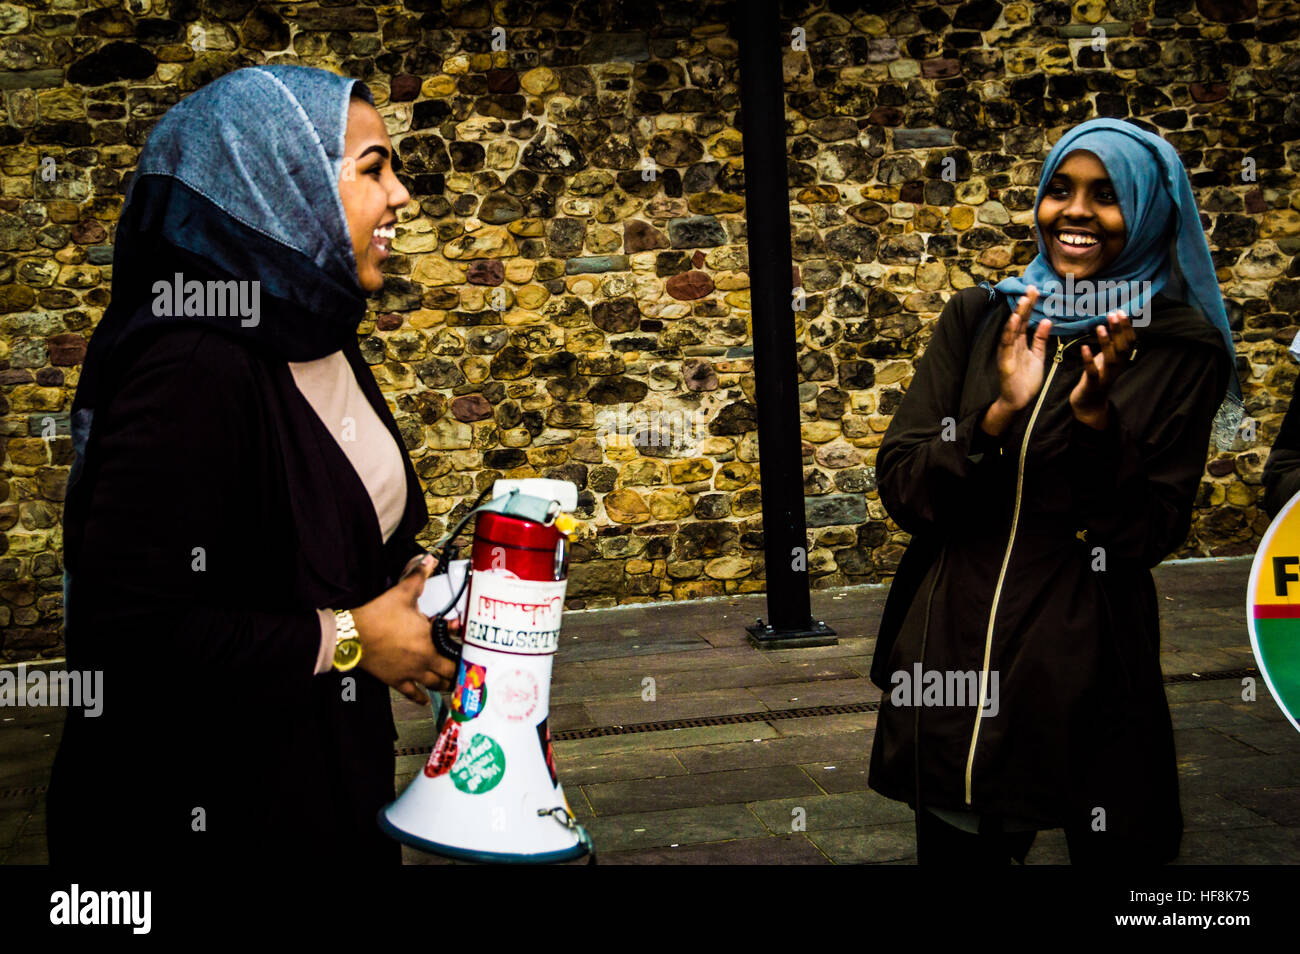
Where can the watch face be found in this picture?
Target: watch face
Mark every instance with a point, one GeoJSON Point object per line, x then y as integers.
{"type": "Point", "coordinates": [347, 653]}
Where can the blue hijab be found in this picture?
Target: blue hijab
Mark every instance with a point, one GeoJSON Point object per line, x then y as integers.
{"type": "Point", "coordinates": [238, 181]}
{"type": "Point", "coordinates": [1152, 186]}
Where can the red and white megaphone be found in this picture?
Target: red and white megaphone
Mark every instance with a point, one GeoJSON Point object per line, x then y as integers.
{"type": "Point", "coordinates": [488, 791]}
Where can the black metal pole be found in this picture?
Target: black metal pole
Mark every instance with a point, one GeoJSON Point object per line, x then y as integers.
{"type": "Point", "coordinates": [767, 216]}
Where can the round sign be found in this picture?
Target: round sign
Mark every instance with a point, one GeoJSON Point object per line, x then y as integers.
{"type": "Point", "coordinates": [1273, 609]}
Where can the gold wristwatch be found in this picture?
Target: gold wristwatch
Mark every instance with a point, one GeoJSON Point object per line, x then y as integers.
{"type": "Point", "coordinates": [347, 650]}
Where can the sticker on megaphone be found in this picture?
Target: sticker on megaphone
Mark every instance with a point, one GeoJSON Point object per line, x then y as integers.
{"type": "Point", "coordinates": [439, 590]}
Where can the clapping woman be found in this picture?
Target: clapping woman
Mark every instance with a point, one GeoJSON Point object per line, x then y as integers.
{"type": "Point", "coordinates": [1045, 456]}
{"type": "Point", "coordinates": [242, 514]}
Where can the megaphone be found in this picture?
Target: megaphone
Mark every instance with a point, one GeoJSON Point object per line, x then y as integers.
{"type": "Point", "coordinates": [489, 792]}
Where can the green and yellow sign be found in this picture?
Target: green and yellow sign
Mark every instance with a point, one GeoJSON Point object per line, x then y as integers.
{"type": "Point", "coordinates": [1273, 609]}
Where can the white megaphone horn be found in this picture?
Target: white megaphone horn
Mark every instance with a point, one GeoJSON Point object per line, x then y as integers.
{"type": "Point", "coordinates": [489, 791]}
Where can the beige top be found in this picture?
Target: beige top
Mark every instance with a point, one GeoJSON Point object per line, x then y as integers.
{"type": "Point", "coordinates": [334, 394]}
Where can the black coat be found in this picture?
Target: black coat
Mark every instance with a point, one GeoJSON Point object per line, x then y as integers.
{"type": "Point", "coordinates": [1282, 469]}
{"type": "Point", "coordinates": [210, 702]}
{"type": "Point", "coordinates": [1082, 721]}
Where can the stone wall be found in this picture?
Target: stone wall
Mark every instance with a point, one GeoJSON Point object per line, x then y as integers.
{"type": "Point", "coordinates": [568, 294]}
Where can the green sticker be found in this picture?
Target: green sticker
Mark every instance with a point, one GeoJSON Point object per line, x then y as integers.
{"type": "Point", "coordinates": [480, 767]}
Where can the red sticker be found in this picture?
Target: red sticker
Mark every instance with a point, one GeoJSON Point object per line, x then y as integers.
{"type": "Point", "coordinates": [444, 750]}
{"type": "Point", "coordinates": [544, 737]}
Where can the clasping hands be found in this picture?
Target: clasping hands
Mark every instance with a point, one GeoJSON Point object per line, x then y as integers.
{"type": "Point", "coordinates": [1090, 399]}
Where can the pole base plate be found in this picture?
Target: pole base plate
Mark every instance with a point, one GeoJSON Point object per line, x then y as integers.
{"type": "Point", "coordinates": [816, 633]}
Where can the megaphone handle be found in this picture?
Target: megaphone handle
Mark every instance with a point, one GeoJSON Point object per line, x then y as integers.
{"type": "Point", "coordinates": [443, 642]}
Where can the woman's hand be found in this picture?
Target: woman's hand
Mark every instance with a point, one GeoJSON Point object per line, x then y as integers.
{"type": "Point", "coordinates": [397, 641]}
{"type": "Point", "coordinates": [1090, 399]}
{"type": "Point", "coordinates": [1020, 365]}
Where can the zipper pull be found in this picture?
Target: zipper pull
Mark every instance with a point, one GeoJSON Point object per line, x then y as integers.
{"type": "Point", "coordinates": [1060, 349]}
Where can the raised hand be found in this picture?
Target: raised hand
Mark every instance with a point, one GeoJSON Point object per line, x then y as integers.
{"type": "Point", "coordinates": [1020, 364]}
{"type": "Point", "coordinates": [1090, 399]}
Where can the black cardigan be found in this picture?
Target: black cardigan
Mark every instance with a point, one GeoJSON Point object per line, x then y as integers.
{"type": "Point", "coordinates": [218, 513]}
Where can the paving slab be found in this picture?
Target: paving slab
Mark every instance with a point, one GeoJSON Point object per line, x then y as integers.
{"type": "Point", "coordinates": [1277, 739]}
{"type": "Point", "coordinates": [1279, 805]}
{"type": "Point", "coordinates": [11, 825]}
{"type": "Point", "coordinates": [670, 662]}
{"type": "Point", "coordinates": [823, 812]}
{"type": "Point", "coordinates": [1224, 690]}
{"type": "Point", "coordinates": [1049, 848]}
{"type": "Point", "coordinates": [670, 706]}
{"type": "Point", "coordinates": [690, 737]}
{"type": "Point", "coordinates": [827, 725]}
{"type": "Point", "coordinates": [1228, 775]}
{"type": "Point", "coordinates": [1204, 742]}
{"type": "Point", "coordinates": [635, 685]}
{"type": "Point", "coordinates": [570, 716]}
{"type": "Point", "coordinates": [842, 775]}
{"type": "Point", "coordinates": [1209, 712]}
{"type": "Point", "coordinates": [618, 766]}
{"type": "Point", "coordinates": [704, 823]}
{"type": "Point", "coordinates": [780, 850]}
{"type": "Point", "coordinates": [710, 788]}
{"type": "Point", "coordinates": [27, 849]}
{"type": "Point", "coordinates": [23, 769]}
{"type": "Point", "coordinates": [865, 846]}
{"type": "Point", "coordinates": [1214, 812]}
{"type": "Point", "coordinates": [775, 751]}
{"type": "Point", "coordinates": [835, 692]}
{"type": "Point", "coordinates": [1241, 846]}
{"type": "Point", "coordinates": [649, 644]}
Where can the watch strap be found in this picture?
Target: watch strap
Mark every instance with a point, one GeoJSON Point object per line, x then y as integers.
{"type": "Point", "coordinates": [347, 646]}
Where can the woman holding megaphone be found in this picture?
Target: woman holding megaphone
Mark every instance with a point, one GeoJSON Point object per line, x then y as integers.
{"type": "Point", "coordinates": [240, 528]}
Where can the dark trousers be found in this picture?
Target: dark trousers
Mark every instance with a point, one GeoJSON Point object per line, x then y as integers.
{"type": "Point", "coordinates": [938, 843]}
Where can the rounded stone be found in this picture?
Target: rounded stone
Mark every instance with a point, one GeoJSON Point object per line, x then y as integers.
{"type": "Point", "coordinates": [689, 286]}
{"type": "Point", "coordinates": [729, 567]}
{"type": "Point", "coordinates": [626, 506]}
{"type": "Point", "coordinates": [671, 504]}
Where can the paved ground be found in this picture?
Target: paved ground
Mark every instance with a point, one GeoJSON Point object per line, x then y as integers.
{"type": "Point", "coordinates": [729, 793]}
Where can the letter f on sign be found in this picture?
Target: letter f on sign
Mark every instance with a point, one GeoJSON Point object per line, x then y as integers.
{"type": "Point", "coordinates": [1281, 576]}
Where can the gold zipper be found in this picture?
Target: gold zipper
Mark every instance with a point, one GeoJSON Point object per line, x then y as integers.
{"type": "Point", "coordinates": [1006, 559]}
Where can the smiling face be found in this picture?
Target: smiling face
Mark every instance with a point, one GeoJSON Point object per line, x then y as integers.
{"type": "Point", "coordinates": [370, 191]}
{"type": "Point", "coordinates": [1080, 219]}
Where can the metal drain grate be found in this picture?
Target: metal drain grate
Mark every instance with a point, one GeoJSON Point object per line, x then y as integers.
{"type": "Point", "coordinates": [1212, 676]}
{"type": "Point", "coordinates": [739, 718]}
{"type": "Point", "coordinates": [22, 792]}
